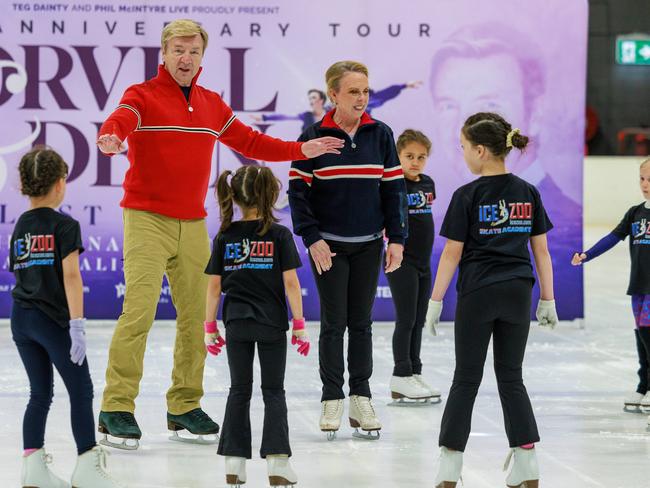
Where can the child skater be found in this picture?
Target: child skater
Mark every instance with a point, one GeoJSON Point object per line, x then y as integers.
{"type": "Point", "coordinates": [47, 323]}
{"type": "Point", "coordinates": [488, 226]}
{"type": "Point", "coordinates": [410, 284]}
{"type": "Point", "coordinates": [254, 263]}
{"type": "Point", "coordinates": [636, 225]}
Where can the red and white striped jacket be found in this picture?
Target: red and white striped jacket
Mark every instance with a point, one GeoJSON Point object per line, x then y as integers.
{"type": "Point", "coordinates": [359, 192]}
{"type": "Point", "coordinates": [171, 141]}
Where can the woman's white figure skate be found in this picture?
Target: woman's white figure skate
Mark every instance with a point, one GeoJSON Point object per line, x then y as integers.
{"type": "Point", "coordinates": [362, 416]}
{"type": "Point", "coordinates": [330, 417]}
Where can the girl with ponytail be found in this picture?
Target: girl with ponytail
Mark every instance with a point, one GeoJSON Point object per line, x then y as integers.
{"type": "Point", "coordinates": [253, 263]}
{"type": "Point", "coordinates": [489, 225]}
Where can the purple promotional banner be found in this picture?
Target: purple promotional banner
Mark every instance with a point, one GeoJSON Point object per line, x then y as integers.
{"type": "Point", "coordinates": [64, 66]}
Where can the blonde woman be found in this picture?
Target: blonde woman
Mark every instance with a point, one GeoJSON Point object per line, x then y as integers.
{"type": "Point", "coordinates": [341, 204]}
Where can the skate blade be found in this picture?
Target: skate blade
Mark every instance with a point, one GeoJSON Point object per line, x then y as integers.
{"type": "Point", "coordinates": [369, 435]}
{"type": "Point", "coordinates": [200, 440]}
{"type": "Point", "coordinates": [414, 402]}
{"type": "Point", "coordinates": [331, 434]}
{"type": "Point", "coordinates": [124, 445]}
{"type": "Point", "coordinates": [633, 409]}
{"type": "Point", "coordinates": [280, 481]}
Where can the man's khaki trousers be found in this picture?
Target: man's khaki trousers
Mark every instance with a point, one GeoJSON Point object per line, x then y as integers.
{"type": "Point", "coordinates": [155, 245]}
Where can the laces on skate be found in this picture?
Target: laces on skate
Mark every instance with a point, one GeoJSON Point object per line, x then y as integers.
{"type": "Point", "coordinates": [196, 417]}
{"type": "Point", "coordinates": [129, 442]}
{"type": "Point", "coordinates": [367, 420]}
{"type": "Point", "coordinates": [331, 411]}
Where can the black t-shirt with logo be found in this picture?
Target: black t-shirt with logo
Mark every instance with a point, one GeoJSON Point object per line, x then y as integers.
{"type": "Point", "coordinates": [420, 196]}
{"type": "Point", "coordinates": [636, 226]}
{"type": "Point", "coordinates": [251, 268]}
{"type": "Point", "coordinates": [41, 240]}
{"type": "Point", "coordinates": [494, 216]}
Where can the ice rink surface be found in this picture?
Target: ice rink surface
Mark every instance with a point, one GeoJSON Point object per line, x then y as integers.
{"type": "Point", "coordinates": [576, 377]}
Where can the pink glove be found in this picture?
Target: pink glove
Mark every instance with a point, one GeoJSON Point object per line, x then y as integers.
{"type": "Point", "coordinates": [213, 340]}
{"type": "Point", "coordinates": [299, 336]}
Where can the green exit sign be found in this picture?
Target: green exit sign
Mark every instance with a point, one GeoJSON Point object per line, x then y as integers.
{"type": "Point", "coordinates": [633, 50]}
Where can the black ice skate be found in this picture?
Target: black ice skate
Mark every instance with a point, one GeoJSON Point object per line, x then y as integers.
{"type": "Point", "coordinates": [121, 425]}
{"type": "Point", "coordinates": [196, 422]}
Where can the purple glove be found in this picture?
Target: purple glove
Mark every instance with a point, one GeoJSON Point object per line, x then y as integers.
{"type": "Point", "coordinates": [213, 340]}
{"type": "Point", "coordinates": [299, 336]}
{"type": "Point", "coordinates": [78, 336]}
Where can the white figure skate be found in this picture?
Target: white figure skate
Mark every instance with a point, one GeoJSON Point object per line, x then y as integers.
{"type": "Point", "coordinates": [406, 391]}
{"type": "Point", "coordinates": [90, 471]}
{"type": "Point", "coordinates": [645, 403]}
{"type": "Point", "coordinates": [450, 468]}
{"type": "Point", "coordinates": [36, 473]}
{"type": "Point", "coordinates": [362, 416]}
{"type": "Point", "coordinates": [525, 472]}
{"type": "Point", "coordinates": [632, 403]}
{"type": "Point", "coordinates": [330, 417]}
{"type": "Point", "coordinates": [435, 394]}
{"type": "Point", "coordinates": [279, 470]}
{"type": "Point", "coordinates": [235, 471]}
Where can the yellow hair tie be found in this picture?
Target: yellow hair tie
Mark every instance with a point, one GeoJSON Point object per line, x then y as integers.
{"type": "Point", "coordinates": [510, 136]}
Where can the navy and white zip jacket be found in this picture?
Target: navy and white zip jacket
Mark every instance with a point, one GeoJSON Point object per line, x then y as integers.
{"type": "Point", "coordinates": [359, 192]}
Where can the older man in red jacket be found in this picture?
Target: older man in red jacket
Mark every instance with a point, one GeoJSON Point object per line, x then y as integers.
{"type": "Point", "coordinates": [172, 124]}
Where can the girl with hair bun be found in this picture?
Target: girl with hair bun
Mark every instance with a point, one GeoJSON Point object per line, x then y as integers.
{"type": "Point", "coordinates": [489, 225]}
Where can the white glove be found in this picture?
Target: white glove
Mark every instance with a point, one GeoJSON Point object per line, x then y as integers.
{"type": "Point", "coordinates": [433, 316]}
{"type": "Point", "coordinates": [546, 314]}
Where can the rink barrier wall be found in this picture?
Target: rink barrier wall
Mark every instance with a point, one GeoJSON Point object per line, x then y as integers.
{"type": "Point", "coordinates": [611, 187]}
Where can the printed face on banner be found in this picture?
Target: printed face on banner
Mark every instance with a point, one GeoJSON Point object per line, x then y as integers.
{"type": "Point", "coordinates": [485, 68]}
